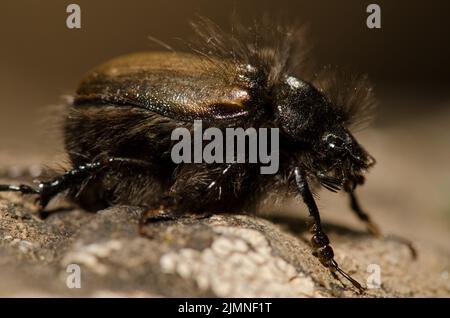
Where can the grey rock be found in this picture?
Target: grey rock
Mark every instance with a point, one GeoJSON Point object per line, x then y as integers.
{"type": "Point", "coordinates": [217, 255]}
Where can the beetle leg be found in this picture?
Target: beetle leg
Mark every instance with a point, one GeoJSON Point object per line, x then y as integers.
{"type": "Point", "coordinates": [166, 211]}
{"type": "Point", "coordinates": [373, 228]}
{"type": "Point", "coordinates": [22, 188]}
{"type": "Point", "coordinates": [167, 208]}
{"type": "Point", "coordinates": [49, 189]}
{"type": "Point", "coordinates": [363, 216]}
{"type": "Point", "coordinates": [319, 241]}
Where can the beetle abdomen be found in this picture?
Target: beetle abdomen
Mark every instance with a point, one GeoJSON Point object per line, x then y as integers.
{"type": "Point", "coordinates": [93, 133]}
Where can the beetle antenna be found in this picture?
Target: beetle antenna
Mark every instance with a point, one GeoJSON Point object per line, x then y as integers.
{"type": "Point", "coordinates": [336, 267]}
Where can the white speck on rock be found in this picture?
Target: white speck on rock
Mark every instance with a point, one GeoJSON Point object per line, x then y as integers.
{"type": "Point", "coordinates": [91, 255]}
{"type": "Point", "coordinates": [168, 262]}
{"type": "Point", "coordinates": [240, 246]}
{"type": "Point", "coordinates": [239, 263]}
{"type": "Point", "coordinates": [25, 246]}
{"type": "Point", "coordinates": [184, 269]}
{"type": "Point", "coordinates": [222, 246]}
{"type": "Point", "coordinates": [305, 283]}
{"type": "Point", "coordinates": [202, 282]}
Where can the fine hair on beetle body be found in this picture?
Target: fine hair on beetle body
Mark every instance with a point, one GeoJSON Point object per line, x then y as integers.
{"type": "Point", "coordinates": [118, 126]}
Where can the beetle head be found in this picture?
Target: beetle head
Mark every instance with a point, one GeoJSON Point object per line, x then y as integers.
{"type": "Point", "coordinates": [309, 119]}
{"type": "Point", "coordinates": [340, 159]}
{"type": "Point", "coordinates": [338, 144]}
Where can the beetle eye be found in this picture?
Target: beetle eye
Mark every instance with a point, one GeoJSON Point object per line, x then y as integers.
{"type": "Point", "coordinates": [334, 142]}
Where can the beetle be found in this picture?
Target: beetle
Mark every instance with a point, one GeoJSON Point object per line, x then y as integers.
{"type": "Point", "coordinates": [118, 126]}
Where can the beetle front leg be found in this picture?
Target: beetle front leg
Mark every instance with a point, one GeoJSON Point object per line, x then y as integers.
{"type": "Point", "coordinates": [319, 241]}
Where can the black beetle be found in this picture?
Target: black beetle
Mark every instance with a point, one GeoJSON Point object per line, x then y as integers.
{"type": "Point", "coordinates": [118, 127]}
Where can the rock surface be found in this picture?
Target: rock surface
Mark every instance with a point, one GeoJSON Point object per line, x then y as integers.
{"type": "Point", "coordinates": [219, 255]}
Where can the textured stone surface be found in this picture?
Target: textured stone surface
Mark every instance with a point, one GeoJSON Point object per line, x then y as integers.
{"type": "Point", "coordinates": [220, 255]}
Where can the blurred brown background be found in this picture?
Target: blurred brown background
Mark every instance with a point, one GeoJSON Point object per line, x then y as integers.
{"type": "Point", "coordinates": [40, 59]}
{"type": "Point", "coordinates": [408, 61]}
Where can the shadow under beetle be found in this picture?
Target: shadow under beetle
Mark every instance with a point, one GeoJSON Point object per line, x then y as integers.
{"type": "Point", "coordinates": [118, 127]}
